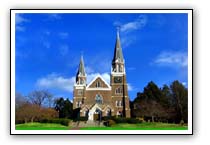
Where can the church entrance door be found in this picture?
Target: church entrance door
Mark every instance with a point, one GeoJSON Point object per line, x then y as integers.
{"type": "Point", "coordinates": [97, 115]}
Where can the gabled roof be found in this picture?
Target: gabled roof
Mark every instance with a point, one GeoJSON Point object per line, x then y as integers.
{"type": "Point", "coordinates": [101, 88]}
{"type": "Point", "coordinates": [94, 106]}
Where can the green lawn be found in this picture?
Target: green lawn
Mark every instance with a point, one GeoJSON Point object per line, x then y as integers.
{"type": "Point", "coordinates": [120, 126]}
{"type": "Point", "coordinates": [40, 126]}
{"type": "Point", "coordinates": [141, 126]}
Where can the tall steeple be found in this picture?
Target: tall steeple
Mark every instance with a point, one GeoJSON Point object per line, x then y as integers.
{"type": "Point", "coordinates": [118, 81]}
{"type": "Point", "coordinates": [118, 55]}
{"type": "Point", "coordinates": [118, 59]}
{"type": "Point", "coordinates": [81, 75]}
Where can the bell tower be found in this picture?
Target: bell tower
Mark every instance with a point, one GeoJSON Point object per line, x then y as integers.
{"type": "Point", "coordinates": [80, 85]}
{"type": "Point", "coordinates": [118, 82]}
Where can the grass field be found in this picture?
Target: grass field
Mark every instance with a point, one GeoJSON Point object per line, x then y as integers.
{"type": "Point", "coordinates": [120, 126]}
{"type": "Point", "coordinates": [141, 126]}
{"type": "Point", "coordinates": [40, 126]}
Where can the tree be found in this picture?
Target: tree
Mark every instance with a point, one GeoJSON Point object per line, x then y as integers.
{"type": "Point", "coordinates": [149, 103]}
{"type": "Point", "coordinates": [32, 112]}
{"type": "Point", "coordinates": [64, 107]}
{"type": "Point", "coordinates": [180, 97]}
{"type": "Point", "coordinates": [27, 113]}
{"type": "Point", "coordinates": [40, 98]}
{"type": "Point", "coordinates": [48, 113]}
{"type": "Point", "coordinates": [34, 107]}
{"type": "Point", "coordinates": [168, 103]}
{"type": "Point", "coordinates": [19, 100]}
{"type": "Point", "coordinates": [152, 92]}
{"type": "Point", "coordinates": [166, 97]}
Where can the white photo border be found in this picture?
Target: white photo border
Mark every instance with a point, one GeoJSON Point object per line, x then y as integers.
{"type": "Point", "coordinates": [101, 132]}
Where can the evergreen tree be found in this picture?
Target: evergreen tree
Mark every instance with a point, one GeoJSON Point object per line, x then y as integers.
{"type": "Point", "coordinates": [64, 107]}
{"type": "Point", "coordinates": [180, 97]}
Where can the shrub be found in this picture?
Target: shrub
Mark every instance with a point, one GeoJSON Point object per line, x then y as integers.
{"type": "Point", "coordinates": [83, 118]}
{"type": "Point", "coordinates": [106, 118]}
{"type": "Point", "coordinates": [19, 121]}
{"type": "Point", "coordinates": [64, 121]}
{"type": "Point", "coordinates": [182, 122]}
{"type": "Point", "coordinates": [120, 120]}
{"type": "Point", "coordinates": [127, 120]}
{"type": "Point", "coordinates": [110, 123]}
{"type": "Point", "coordinates": [132, 120]}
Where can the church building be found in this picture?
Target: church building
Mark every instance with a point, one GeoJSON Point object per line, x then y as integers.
{"type": "Point", "coordinates": [100, 98]}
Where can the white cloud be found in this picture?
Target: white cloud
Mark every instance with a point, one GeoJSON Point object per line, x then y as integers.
{"type": "Point", "coordinates": [130, 87]}
{"type": "Point", "coordinates": [184, 83]}
{"type": "Point", "coordinates": [125, 28]}
{"type": "Point", "coordinates": [89, 69]}
{"type": "Point", "coordinates": [54, 81]}
{"type": "Point", "coordinates": [172, 59]}
{"type": "Point", "coordinates": [127, 41]}
{"type": "Point", "coordinates": [19, 21]}
{"type": "Point", "coordinates": [105, 76]}
{"type": "Point", "coordinates": [138, 23]}
{"type": "Point", "coordinates": [53, 16]}
{"type": "Point", "coordinates": [97, 64]}
{"type": "Point", "coordinates": [20, 28]}
{"type": "Point", "coordinates": [63, 35]}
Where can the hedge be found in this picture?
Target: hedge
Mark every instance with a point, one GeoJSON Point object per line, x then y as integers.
{"type": "Point", "coordinates": [61, 121]}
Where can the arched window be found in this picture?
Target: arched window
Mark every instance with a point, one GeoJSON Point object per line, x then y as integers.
{"type": "Point", "coordinates": [119, 103]}
{"type": "Point", "coordinates": [120, 68]}
{"type": "Point", "coordinates": [86, 112]}
{"type": "Point", "coordinates": [98, 84]}
{"type": "Point", "coordinates": [108, 112]}
{"type": "Point", "coordinates": [80, 92]}
{"type": "Point", "coordinates": [99, 99]}
{"type": "Point", "coordinates": [81, 81]}
{"type": "Point", "coordinates": [116, 103]}
{"type": "Point", "coordinates": [118, 90]}
{"type": "Point", "coordinates": [78, 104]}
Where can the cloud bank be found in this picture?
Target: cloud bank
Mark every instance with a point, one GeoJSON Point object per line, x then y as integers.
{"type": "Point", "coordinates": [54, 81]}
{"type": "Point", "coordinates": [172, 59]}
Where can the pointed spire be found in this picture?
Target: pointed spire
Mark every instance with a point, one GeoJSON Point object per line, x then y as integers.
{"type": "Point", "coordinates": [118, 38]}
{"type": "Point", "coordinates": [118, 50]}
{"type": "Point", "coordinates": [81, 70]}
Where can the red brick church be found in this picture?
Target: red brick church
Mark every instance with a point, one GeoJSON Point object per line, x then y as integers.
{"type": "Point", "coordinates": [100, 98]}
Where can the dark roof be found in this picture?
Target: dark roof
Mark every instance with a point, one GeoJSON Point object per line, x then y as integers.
{"type": "Point", "coordinates": [118, 50]}
{"type": "Point", "coordinates": [81, 70]}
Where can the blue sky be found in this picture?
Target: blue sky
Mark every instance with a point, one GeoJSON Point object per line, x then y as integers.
{"type": "Point", "coordinates": [49, 46]}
